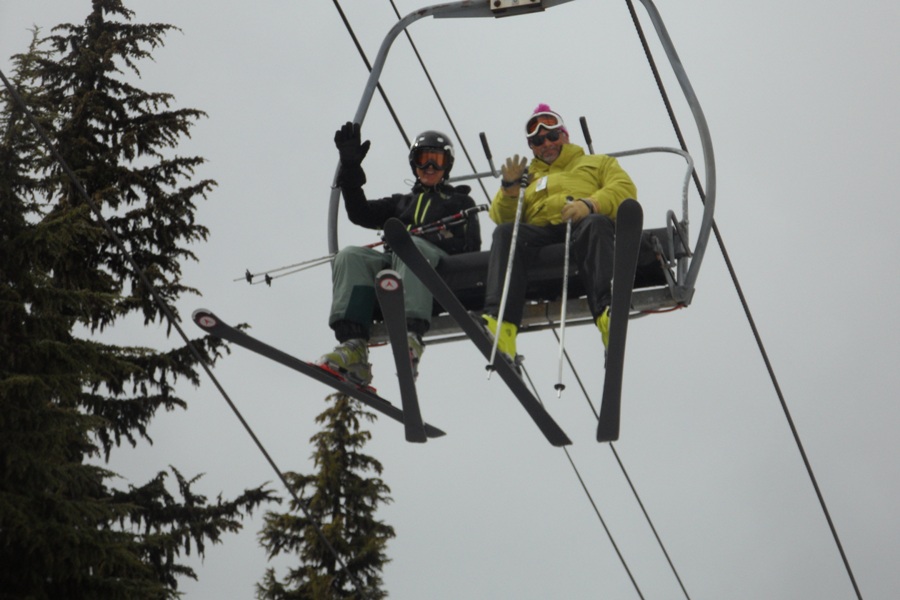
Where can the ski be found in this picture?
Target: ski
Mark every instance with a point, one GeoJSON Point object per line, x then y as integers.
{"type": "Point", "coordinates": [398, 239]}
{"type": "Point", "coordinates": [213, 325]}
{"type": "Point", "coordinates": [389, 290]}
{"type": "Point", "coordinates": [629, 225]}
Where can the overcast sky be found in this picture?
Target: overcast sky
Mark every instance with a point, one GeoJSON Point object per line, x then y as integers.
{"type": "Point", "coordinates": [801, 99]}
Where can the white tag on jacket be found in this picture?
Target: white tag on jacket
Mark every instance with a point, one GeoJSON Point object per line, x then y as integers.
{"type": "Point", "coordinates": [541, 184]}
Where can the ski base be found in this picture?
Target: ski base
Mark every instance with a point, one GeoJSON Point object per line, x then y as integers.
{"type": "Point", "coordinates": [389, 291]}
{"type": "Point", "coordinates": [213, 325]}
{"type": "Point", "coordinates": [629, 226]}
{"type": "Point", "coordinates": [397, 237]}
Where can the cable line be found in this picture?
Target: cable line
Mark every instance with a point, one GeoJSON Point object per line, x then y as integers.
{"type": "Point", "coordinates": [568, 455]}
{"type": "Point", "coordinates": [787, 414]}
{"type": "Point", "coordinates": [381, 91]}
{"type": "Point", "coordinates": [590, 498]}
{"type": "Point", "coordinates": [623, 469]}
{"type": "Point", "coordinates": [747, 312]}
{"type": "Point", "coordinates": [171, 318]}
{"type": "Point", "coordinates": [365, 59]}
{"type": "Point", "coordinates": [440, 100]}
{"type": "Point", "coordinates": [720, 243]}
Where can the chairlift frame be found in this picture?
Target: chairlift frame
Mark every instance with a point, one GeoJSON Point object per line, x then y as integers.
{"type": "Point", "coordinates": [678, 265]}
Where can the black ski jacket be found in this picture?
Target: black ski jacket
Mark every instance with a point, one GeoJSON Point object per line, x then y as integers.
{"type": "Point", "coordinates": [420, 207]}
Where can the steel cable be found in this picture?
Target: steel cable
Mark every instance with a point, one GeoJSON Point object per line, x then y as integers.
{"type": "Point", "coordinates": [590, 498]}
{"type": "Point", "coordinates": [744, 304]}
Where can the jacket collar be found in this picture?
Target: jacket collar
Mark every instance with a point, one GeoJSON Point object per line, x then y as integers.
{"type": "Point", "coordinates": [568, 153]}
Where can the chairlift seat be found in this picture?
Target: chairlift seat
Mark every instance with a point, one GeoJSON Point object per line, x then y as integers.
{"type": "Point", "coordinates": [466, 274]}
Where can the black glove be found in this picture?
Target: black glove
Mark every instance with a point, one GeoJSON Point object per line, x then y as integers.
{"type": "Point", "coordinates": [349, 147]}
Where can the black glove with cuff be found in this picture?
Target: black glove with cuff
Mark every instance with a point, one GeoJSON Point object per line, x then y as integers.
{"type": "Point", "coordinates": [347, 140]}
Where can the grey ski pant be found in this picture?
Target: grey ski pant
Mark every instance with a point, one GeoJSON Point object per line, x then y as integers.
{"type": "Point", "coordinates": [353, 283]}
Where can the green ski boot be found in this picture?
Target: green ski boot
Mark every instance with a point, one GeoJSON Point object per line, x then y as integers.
{"type": "Point", "coordinates": [350, 359]}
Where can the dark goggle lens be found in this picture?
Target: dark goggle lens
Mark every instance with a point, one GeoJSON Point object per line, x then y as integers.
{"type": "Point", "coordinates": [538, 140]}
{"type": "Point", "coordinates": [425, 157]}
{"type": "Point", "coordinates": [546, 120]}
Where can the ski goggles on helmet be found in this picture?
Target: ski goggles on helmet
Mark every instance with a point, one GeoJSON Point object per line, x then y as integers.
{"type": "Point", "coordinates": [538, 140]}
{"type": "Point", "coordinates": [548, 120]}
{"type": "Point", "coordinates": [425, 157]}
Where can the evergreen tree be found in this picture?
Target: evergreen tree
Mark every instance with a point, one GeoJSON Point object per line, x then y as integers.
{"type": "Point", "coordinates": [67, 399]}
{"type": "Point", "coordinates": [340, 501]}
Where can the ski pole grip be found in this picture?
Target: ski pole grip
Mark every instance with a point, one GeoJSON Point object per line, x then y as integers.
{"type": "Point", "coordinates": [484, 144]}
{"type": "Point", "coordinates": [487, 153]}
{"type": "Point", "coordinates": [587, 133]}
{"type": "Point", "coordinates": [585, 130]}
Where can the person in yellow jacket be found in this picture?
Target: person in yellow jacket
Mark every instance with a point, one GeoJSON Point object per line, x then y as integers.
{"type": "Point", "coordinates": [559, 171]}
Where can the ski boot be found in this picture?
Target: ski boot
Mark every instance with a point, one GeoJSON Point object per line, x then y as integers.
{"type": "Point", "coordinates": [350, 359]}
{"type": "Point", "coordinates": [416, 350]}
{"type": "Point", "coordinates": [507, 343]}
{"type": "Point", "coordinates": [603, 326]}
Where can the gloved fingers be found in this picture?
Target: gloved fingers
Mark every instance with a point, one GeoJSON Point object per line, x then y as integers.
{"type": "Point", "coordinates": [516, 165]}
{"type": "Point", "coordinates": [347, 133]}
{"type": "Point", "coordinates": [343, 133]}
{"type": "Point", "coordinates": [574, 211]}
{"type": "Point", "coordinates": [513, 168]}
{"type": "Point", "coordinates": [347, 140]}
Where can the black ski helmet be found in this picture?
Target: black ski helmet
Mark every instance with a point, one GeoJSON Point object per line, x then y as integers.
{"type": "Point", "coordinates": [437, 141]}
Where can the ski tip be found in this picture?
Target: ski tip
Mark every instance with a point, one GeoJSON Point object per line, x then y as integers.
{"type": "Point", "coordinates": [631, 204]}
{"type": "Point", "coordinates": [385, 273]}
{"type": "Point", "coordinates": [630, 213]}
{"type": "Point", "coordinates": [388, 280]}
{"type": "Point", "coordinates": [393, 227]}
{"type": "Point", "coordinates": [205, 318]}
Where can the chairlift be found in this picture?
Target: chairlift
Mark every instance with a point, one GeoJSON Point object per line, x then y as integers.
{"type": "Point", "coordinates": [668, 266]}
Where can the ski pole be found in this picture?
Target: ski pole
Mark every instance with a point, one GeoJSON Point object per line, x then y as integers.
{"type": "Point", "coordinates": [523, 183]}
{"type": "Point", "coordinates": [448, 221]}
{"type": "Point", "coordinates": [432, 227]}
{"type": "Point", "coordinates": [311, 262]}
{"type": "Point", "coordinates": [267, 278]}
{"type": "Point", "coordinates": [300, 266]}
{"type": "Point", "coordinates": [560, 386]}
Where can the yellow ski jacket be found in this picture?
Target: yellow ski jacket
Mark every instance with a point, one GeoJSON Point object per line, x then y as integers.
{"type": "Point", "coordinates": [573, 173]}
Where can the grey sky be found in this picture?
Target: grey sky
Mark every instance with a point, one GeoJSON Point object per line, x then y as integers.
{"type": "Point", "coordinates": [801, 101]}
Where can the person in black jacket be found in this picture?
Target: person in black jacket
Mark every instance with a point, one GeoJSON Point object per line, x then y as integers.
{"type": "Point", "coordinates": [354, 268]}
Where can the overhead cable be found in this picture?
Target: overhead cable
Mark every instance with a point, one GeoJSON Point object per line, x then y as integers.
{"type": "Point", "coordinates": [748, 314]}
{"type": "Point", "coordinates": [440, 100]}
{"type": "Point", "coordinates": [624, 470]}
{"type": "Point", "coordinates": [591, 500]}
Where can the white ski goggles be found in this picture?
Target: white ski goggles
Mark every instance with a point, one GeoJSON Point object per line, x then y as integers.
{"type": "Point", "coordinates": [548, 120]}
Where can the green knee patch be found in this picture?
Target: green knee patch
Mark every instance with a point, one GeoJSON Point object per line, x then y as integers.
{"type": "Point", "coordinates": [361, 305]}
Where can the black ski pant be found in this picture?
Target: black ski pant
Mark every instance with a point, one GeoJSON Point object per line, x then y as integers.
{"type": "Point", "coordinates": [591, 249]}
